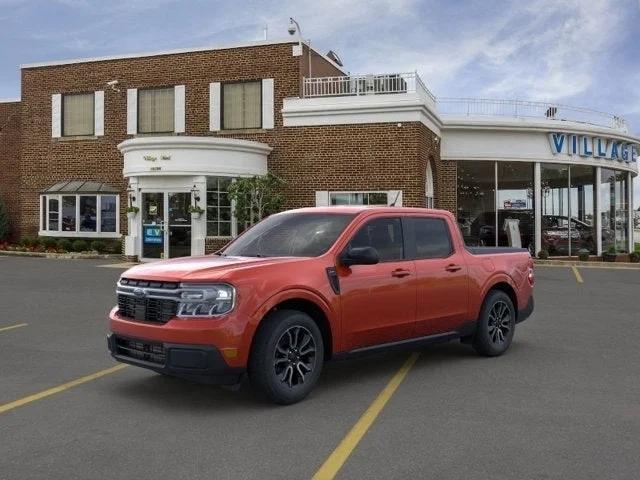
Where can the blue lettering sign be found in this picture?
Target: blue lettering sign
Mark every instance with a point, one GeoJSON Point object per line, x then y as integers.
{"type": "Point", "coordinates": [586, 147]}
{"type": "Point", "coordinates": [557, 142]}
{"type": "Point", "coordinates": [624, 152]}
{"type": "Point", "coordinates": [152, 234]}
{"type": "Point", "coordinates": [614, 150]}
{"type": "Point", "coordinates": [601, 150]}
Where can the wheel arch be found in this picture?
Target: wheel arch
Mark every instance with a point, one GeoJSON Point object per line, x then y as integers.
{"type": "Point", "coordinates": [507, 288]}
{"type": "Point", "coordinates": [306, 302]}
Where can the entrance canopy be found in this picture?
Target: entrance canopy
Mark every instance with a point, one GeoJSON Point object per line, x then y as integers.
{"type": "Point", "coordinates": [81, 186]}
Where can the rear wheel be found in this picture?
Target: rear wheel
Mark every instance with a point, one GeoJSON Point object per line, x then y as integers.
{"type": "Point", "coordinates": [496, 325]}
{"type": "Point", "coordinates": [287, 357]}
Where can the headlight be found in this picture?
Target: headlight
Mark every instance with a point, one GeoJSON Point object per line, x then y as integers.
{"type": "Point", "coordinates": [198, 300]}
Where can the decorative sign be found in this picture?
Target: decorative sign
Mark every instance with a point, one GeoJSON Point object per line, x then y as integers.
{"type": "Point", "coordinates": [515, 204]}
{"type": "Point", "coordinates": [597, 147]}
{"type": "Point", "coordinates": [152, 235]}
{"type": "Point", "coordinates": [153, 158]}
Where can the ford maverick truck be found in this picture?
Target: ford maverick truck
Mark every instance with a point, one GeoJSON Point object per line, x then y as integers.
{"type": "Point", "coordinates": [310, 285]}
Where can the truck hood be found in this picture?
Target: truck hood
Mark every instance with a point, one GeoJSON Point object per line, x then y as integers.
{"type": "Point", "coordinates": [201, 268]}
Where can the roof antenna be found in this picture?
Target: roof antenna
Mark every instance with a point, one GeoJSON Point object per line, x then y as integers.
{"type": "Point", "coordinates": [395, 200]}
{"type": "Point", "coordinates": [266, 32]}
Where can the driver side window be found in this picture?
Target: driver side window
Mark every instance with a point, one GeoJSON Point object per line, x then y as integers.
{"type": "Point", "coordinates": [383, 234]}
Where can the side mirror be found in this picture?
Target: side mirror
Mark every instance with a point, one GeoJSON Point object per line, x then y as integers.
{"type": "Point", "coordinates": [360, 256]}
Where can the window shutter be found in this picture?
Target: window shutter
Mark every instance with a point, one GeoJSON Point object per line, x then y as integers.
{"type": "Point", "coordinates": [214, 107]}
{"type": "Point", "coordinates": [98, 113]}
{"type": "Point", "coordinates": [132, 111]}
{"type": "Point", "coordinates": [322, 199]}
{"type": "Point", "coordinates": [179, 110]}
{"type": "Point", "coordinates": [394, 196]}
{"type": "Point", "coordinates": [56, 115]}
{"type": "Point", "coordinates": [267, 103]}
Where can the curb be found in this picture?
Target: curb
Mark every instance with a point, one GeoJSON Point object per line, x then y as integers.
{"type": "Point", "coordinates": [577, 263]}
{"type": "Point", "coordinates": [62, 256]}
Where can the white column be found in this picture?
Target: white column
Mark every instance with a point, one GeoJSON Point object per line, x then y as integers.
{"type": "Point", "coordinates": [132, 244]}
{"type": "Point", "coordinates": [199, 226]}
{"type": "Point", "coordinates": [598, 212]}
{"type": "Point", "coordinates": [537, 202]}
{"type": "Point", "coordinates": [98, 113]}
{"type": "Point", "coordinates": [630, 232]}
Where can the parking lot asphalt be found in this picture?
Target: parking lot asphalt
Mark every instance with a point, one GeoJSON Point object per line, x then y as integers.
{"type": "Point", "coordinates": [562, 403]}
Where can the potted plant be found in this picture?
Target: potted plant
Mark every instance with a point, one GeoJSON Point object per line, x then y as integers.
{"type": "Point", "coordinates": [543, 254]}
{"type": "Point", "coordinates": [195, 211]}
{"type": "Point", "coordinates": [583, 255]}
{"type": "Point", "coordinates": [132, 211]}
{"type": "Point", "coordinates": [610, 255]}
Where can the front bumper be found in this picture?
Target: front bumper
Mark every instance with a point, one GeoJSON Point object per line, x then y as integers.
{"type": "Point", "coordinates": [200, 363]}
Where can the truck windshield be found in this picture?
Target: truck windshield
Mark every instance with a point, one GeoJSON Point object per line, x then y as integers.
{"type": "Point", "coordinates": [290, 235]}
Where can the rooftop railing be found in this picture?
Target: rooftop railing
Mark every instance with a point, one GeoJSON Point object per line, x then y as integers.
{"type": "Point", "coordinates": [479, 107]}
{"type": "Point", "coordinates": [394, 83]}
{"type": "Point", "coordinates": [355, 85]}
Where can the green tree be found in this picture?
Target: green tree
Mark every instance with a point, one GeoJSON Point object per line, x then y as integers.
{"type": "Point", "coordinates": [5, 229]}
{"type": "Point", "coordinates": [256, 197]}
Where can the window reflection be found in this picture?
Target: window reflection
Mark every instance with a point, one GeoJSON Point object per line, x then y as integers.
{"type": "Point", "coordinates": [476, 202]}
{"type": "Point", "coordinates": [614, 190]}
{"type": "Point", "coordinates": [516, 225]}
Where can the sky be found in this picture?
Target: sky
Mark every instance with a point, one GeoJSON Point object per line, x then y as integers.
{"type": "Point", "coordinates": [578, 52]}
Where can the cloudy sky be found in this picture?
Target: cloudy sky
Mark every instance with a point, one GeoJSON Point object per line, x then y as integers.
{"type": "Point", "coordinates": [578, 52]}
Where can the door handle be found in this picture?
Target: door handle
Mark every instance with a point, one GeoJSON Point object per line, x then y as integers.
{"type": "Point", "coordinates": [399, 273]}
{"type": "Point", "coordinates": [452, 268]}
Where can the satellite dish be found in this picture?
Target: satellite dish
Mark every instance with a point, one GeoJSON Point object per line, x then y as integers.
{"type": "Point", "coordinates": [334, 57]}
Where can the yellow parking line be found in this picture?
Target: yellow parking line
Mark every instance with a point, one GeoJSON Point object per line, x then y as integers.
{"type": "Point", "coordinates": [333, 464]}
{"type": "Point", "coordinates": [60, 388]}
{"type": "Point", "coordinates": [577, 274]}
{"type": "Point", "coordinates": [4, 329]}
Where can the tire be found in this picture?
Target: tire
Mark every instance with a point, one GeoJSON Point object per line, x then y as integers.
{"type": "Point", "coordinates": [489, 340]}
{"type": "Point", "coordinates": [287, 357]}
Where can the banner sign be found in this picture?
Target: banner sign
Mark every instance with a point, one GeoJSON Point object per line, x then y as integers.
{"type": "Point", "coordinates": [152, 234]}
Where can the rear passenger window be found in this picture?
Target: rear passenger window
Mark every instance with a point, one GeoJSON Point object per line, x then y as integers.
{"type": "Point", "coordinates": [432, 238]}
{"type": "Point", "coordinates": [383, 234]}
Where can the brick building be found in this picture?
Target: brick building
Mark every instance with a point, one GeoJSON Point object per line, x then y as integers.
{"type": "Point", "coordinates": [163, 131]}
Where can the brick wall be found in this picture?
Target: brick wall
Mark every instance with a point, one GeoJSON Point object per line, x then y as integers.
{"type": "Point", "coordinates": [46, 161]}
{"type": "Point", "coordinates": [9, 161]}
{"type": "Point", "coordinates": [337, 157]}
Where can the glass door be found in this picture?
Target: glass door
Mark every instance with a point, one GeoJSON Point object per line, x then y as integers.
{"type": "Point", "coordinates": [179, 222]}
{"type": "Point", "coordinates": [153, 225]}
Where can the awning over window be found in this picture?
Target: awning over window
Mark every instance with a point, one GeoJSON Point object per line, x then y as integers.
{"type": "Point", "coordinates": [81, 186]}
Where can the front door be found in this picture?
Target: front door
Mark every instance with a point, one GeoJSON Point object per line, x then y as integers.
{"type": "Point", "coordinates": [166, 225]}
{"type": "Point", "coordinates": [378, 301]}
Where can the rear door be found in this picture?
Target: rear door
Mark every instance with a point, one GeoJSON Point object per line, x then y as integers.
{"type": "Point", "coordinates": [378, 301]}
{"type": "Point", "coordinates": [441, 276]}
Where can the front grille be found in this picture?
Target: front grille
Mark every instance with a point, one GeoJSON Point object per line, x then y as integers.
{"type": "Point", "coordinates": [139, 350]}
{"type": "Point", "coordinates": [147, 309]}
{"type": "Point", "coordinates": [147, 300]}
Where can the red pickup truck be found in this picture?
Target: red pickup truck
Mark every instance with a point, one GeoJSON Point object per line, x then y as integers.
{"type": "Point", "coordinates": [309, 285]}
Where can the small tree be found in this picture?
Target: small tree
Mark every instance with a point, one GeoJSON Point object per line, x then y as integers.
{"type": "Point", "coordinates": [256, 197]}
{"type": "Point", "coordinates": [5, 229]}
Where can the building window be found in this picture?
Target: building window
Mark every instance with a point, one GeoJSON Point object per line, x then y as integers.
{"type": "Point", "coordinates": [219, 210]}
{"type": "Point", "coordinates": [80, 215]}
{"type": "Point", "coordinates": [516, 217]}
{"type": "Point", "coordinates": [78, 114]}
{"type": "Point", "coordinates": [156, 110]}
{"type": "Point", "coordinates": [358, 198]}
{"type": "Point", "coordinates": [241, 105]}
{"type": "Point", "coordinates": [477, 202]}
{"type": "Point", "coordinates": [429, 186]}
{"type": "Point", "coordinates": [614, 207]}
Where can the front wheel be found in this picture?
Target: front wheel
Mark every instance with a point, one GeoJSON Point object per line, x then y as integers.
{"type": "Point", "coordinates": [496, 325]}
{"type": "Point", "coordinates": [287, 357]}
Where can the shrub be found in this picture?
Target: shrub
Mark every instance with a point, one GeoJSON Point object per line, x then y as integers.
{"type": "Point", "coordinates": [98, 245]}
{"type": "Point", "coordinates": [543, 254]}
{"type": "Point", "coordinates": [634, 257]}
{"type": "Point", "coordinates": [65, 244]}
{"type": "Point", "coordinates": [583, 255]}
{"type": "Point", "coordinates": [612, 249]}
{"type": "Point", "coordinates": [48, 242]}
{"type": "Point", "coordinates": [28, 242]}
{"type": "Point", "coordinates": [5, 229]}
{"type": "Point", "coordinates": [115, 247]}
{"type": "Point", "coordinates": [80, 245]}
